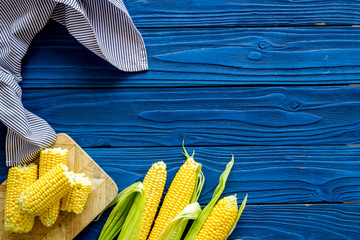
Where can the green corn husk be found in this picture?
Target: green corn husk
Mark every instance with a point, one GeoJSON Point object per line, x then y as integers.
{"type": "Point", "coordinates": [129, 207]}
{"type": "Point", "coordinates": [176, 227]}
{"type": "Point", "coordinates": [200, 178]}
{"type": "Point", "coordinates": [131, 227]}
{"type": "Point", "coordinates": [196, 226]}
{"type": "Point", "coordinates": [238, 215]}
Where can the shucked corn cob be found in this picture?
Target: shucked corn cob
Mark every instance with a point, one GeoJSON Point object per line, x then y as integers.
{"type": "Point", "coordinates": [19, 179]}
{"type": "Point", "coordinates": [179, 195]}
{"type": "Point", "coordinates": [74, 201]}
{"type": "Point", "coordinates": [154, 184]}
{"type": "Point", "coordinates": [220, 221]}
{"type": "Point", "coordinates": [50, 158]}
{"type": "Point", "coordinates": [47, 190]}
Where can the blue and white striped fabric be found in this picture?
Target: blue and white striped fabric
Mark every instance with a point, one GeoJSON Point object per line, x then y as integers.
{"type": "Point", "coordinates": [103, 26]}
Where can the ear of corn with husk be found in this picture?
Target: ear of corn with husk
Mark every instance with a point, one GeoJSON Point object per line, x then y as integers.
{"type": "Point", "coordinates": [184, 189]}
{"type": "Point", "coordinates": [195, 227]}
{"type": "Point", "coordinates": [207, 225]}
{"type": "Point", "coordinates": [198, 223]}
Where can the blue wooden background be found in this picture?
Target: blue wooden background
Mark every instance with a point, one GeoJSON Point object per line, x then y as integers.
{"type": "Point", "coordinates": [273, 82]}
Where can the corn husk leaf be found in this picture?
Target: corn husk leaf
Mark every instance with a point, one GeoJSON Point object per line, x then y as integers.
{"type": "Point", "coordinates": [116, 200]}
{"type": "Point", "coordinates": [196, 226]}
{"type": "Point", "coordinates": [176, 227]}
{"type": "Point", "coordinates": [238, 215]}
{"type": "Point", "coordinates": [131, 227]}
{"type": "Point", "coordinates": [200, 178]}
{"type": "Point", "coordinates": [118, 216]}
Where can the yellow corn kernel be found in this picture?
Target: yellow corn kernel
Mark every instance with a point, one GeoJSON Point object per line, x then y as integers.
{"type": "Point", "coordinates": [219, 222]}
{"type": "Point", "coordinates": [74, 201]}
{"type": "Point", "coordinates": [177, 198]}
{"type": "Point", "coordinates": [47, 190]}
{"type": "Point", "coordinates": [154, 183]}
{"type": "Point", "coordinates": [49, 217]}
{"type": "Point", "coordinates": [49, 158]}
{"type": "Point", "coordinates": [19, 179]}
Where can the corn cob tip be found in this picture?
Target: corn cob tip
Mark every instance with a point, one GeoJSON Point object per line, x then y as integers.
{"type": "Point", "coordinates": [24, 166]}
{"type": "Point", "coordinates": [55, 150]}
{"type": "Point", "coordinates": [160, 165]}
{"type": "Point", "coordinates": [75, 200]}
{"type": "Point", "coordinates": [232, 199]}
{"type": "Point", "coordinates": [190, 161]}
{"type": "Point", "coordinates": [80, 178]}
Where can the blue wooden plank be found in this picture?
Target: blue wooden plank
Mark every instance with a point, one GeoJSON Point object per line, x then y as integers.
{"type": "Point", "coordinates": [204, 57]}
{"type": "Point", "coordinates": [3, 168]}
{"type": "Point", "coordinates": [285, 222]}
{"type": "Point", "coordinates": [268, 174]}
{"type": "Point", "coordinates": [299, 222]}
{"type": "Point", "coordinates": [207, 116]}
{"type": "Point", "coordinates": [174, 13]}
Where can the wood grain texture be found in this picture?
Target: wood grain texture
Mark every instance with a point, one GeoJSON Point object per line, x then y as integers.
{"type": "Point", "coordinates": [203, 57]}
{"type": "Point", "coordinates": [268, 174]}
{"type": "Point", "coordinates": [299, 222]}
{"type": "Point", "coordinates": [172, 13]}
{"type": "Point", "coordinates": [207, 116]}
{"type": "Point", "coordinates": [284, 222]}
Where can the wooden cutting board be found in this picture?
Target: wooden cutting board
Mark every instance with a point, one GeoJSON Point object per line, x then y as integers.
{"type": "Point", "coordinates": [68, 225]}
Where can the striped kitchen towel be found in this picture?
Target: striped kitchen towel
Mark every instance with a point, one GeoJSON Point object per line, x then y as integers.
{"type": "Point", "coordinates": [103, 26]}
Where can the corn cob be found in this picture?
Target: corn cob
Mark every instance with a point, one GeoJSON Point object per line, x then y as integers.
{"type": "Point", "coordinates": [154, 183]}
{"type": "Point", "coordinates": [74, 201]}
{"type": "Point", "coordinates": [49, 158]}
{"type": "Point", "coordinates": [220, 221]}
{"type": "Point", "coordinates": [183, 190]}
{"type": "Point", "coordinates": [19, 179]}
{"type": "Point", "coordinates": [46, 191]}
